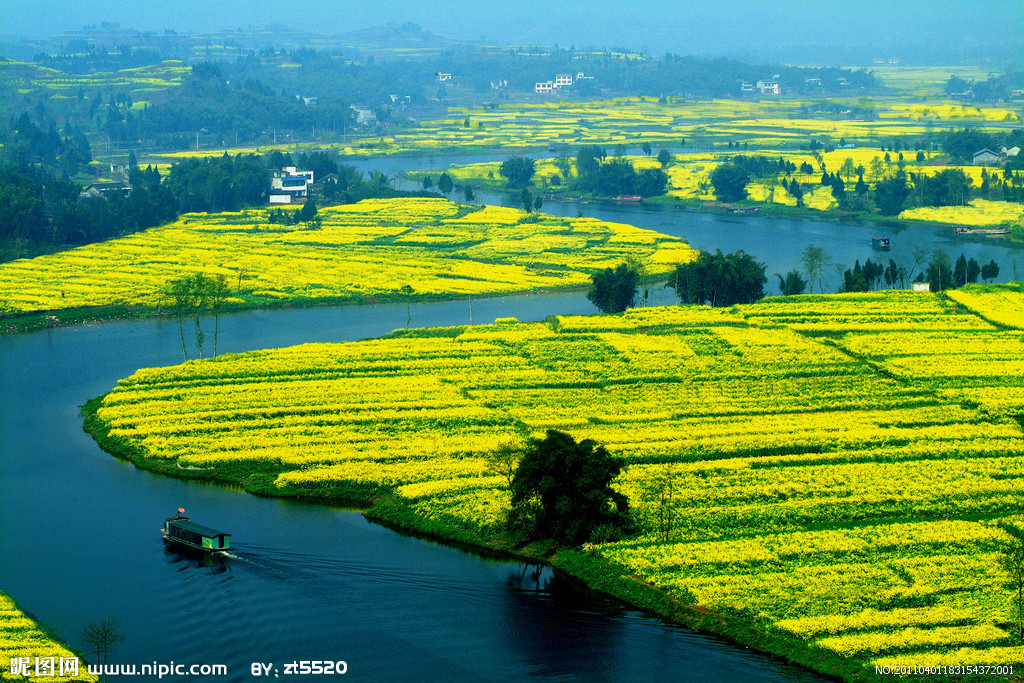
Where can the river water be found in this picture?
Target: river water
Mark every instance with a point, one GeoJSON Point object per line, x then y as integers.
{"type": "Point", "coordinates": [79, 542]}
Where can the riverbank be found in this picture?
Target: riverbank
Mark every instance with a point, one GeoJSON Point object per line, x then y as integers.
{"type": "Point", "coordinates": [595, 573]}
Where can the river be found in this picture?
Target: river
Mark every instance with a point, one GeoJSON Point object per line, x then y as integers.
{"type": "Point", "coordinates": [79, 542]}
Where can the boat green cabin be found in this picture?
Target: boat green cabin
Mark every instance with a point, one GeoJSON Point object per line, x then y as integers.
{"type": "Point", "coordinates": [181, 530]}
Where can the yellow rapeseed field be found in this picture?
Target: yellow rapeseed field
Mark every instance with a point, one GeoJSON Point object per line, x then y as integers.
{"type": "Point", "coordinates": [844, 467]}
{"type": "Point", "coordinates": [430, 247]}
{"type": "Point", "coordinates": [23, 641]}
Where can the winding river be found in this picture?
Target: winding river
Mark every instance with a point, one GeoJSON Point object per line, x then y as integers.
{"type": "Point", "coordinates": [79, 538]}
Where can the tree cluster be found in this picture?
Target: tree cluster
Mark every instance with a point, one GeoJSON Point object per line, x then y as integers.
{"type": "Point", "coordinates": [614, 290]}
{"type": "Point", "coordinates": [562, 490]}
{"type": "Point", "coordinates": [610, 177]}
{"type": "Point", "coordinates": [719, 279]}
{"type": "Point", "coordinates": [940, 273]}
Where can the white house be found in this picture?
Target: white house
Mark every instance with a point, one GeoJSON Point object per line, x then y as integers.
{"type": "Point", "coordinates": [544, 87]}
{"type": "Point", "coordinates": [563, 80]}
{"type": "Point", "coordinates": [364, 115]}
{"type": "Point", "coordinates": [290, 184]}
{"type": "Point", "coordinates": [443, 77]}
{"type": "Point", "coordinates": [769, 87]}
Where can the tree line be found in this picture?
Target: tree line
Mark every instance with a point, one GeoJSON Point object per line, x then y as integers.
{"type": "Point", "coordinates": [595, 173]}
{"type": "Point", "coordinates": [891, 188]}
{"type": "Point", "coordinates": [41, 208]}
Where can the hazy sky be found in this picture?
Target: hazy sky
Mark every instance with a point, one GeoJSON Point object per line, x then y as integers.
{"type": "Point", "coordinates": [706, 27]}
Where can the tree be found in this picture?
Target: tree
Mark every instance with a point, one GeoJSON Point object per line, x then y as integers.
{"type": "Point", "coordinates": [797, 192]}
{"type": "Point", "coordinates": [664, 158]}
{"type": "Point", "coordinates": [814, 259]}
{"type": "Point", "coordinates": [891, 193]}
{"type": "Point", "coordinates": [180, 294]}
{"type": "Point", "coordinates": [792, 283]}
{"type": "Point", "coordinates": [427, 182]}
{"type": "Point", "coordinates": [307, 214]}
{"type": "Point", "coordinates": [102, 637]}
{"type": "Point", "coordinates": [467, 193]}
{"type": "Point", "coordinates": [445, 184]}
{"type": "Point", "coordinates": [518, 171]}
{"type": "Point", "coordinates": [526, 199]}
{"type": "Point", "coordinates": [1011, 560]}
{"type": "Point", "coordinates": [730, 182]}
{"type": "Point", "coordinates": [613, 291]}
{"type": "Point", "coordinates": [217, 293]}
{"type": "Point", "coordinates": [939, 273]}
{"type": "Point", "coordinates": [565, 487]}
{"type": "Point", "coordinates": [503, 460]}
{"type": "Point", "coordinates": [646, 148]}
{"type": "Point", "coordinates": [848, 169]}
{"type": "Point", "coordinates": [720, 279]}
{"type": "Point", "coordinates": [877, 167]}
{"type": "Point", "coordinates": [990, 272]}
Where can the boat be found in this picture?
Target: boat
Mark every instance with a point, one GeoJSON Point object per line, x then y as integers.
{"type": "Point", "coordinates": [629, 198]}
{"type": "Point", "coordinates": [964, 230]}
{"type": "Point", "coordinates": [180, 529]}
{"type": "Point", "coordinates": [880, 243]}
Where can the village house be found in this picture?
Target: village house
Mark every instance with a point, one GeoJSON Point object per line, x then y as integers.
{"type": "Point", "coordinates": [290, 185]}
{"type": "Point", "coordinates": [544, 87]}
{"type": "Point", "coordinates": [769, 87]}
{"type": "Point", "coordinates": [106, 190]}
{"type": "Point", "coordinates": [985, 157]}
{"type": "Point", "coordinates": [364, 115]}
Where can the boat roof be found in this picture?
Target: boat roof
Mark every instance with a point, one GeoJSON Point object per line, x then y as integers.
{"type": "Point", "coordinates": [196, 528]}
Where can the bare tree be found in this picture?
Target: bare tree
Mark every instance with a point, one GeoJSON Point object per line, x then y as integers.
{"type": "Point", "coordinates": [814, 259]}
{"type": "Point", "coordinates": [102, 637]}
{"type": "Point", "coordinates": [179, 292]}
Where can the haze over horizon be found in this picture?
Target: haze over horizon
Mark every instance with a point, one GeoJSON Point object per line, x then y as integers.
{"type": "Point", "coordinates": [914, 31]}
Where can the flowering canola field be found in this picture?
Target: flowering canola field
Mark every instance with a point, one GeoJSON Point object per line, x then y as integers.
{"type": "Point", "coordinates": [20, 637]}
{"type": "Point", "coordinates": [843, 467]}
{"type": "Point", "coordinates": [432, 247]}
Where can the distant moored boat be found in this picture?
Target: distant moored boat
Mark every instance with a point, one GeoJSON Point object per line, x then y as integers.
{"type": "Point", "coordinates": [880, 243]}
